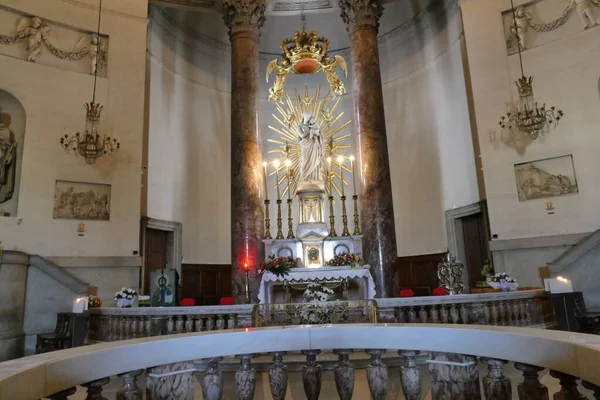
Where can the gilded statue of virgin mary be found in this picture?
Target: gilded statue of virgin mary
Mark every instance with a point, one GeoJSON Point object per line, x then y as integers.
{"type": "Point", "coordinates": [311, 148]}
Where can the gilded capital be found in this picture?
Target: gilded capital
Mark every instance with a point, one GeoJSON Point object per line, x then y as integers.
{"type": "Point", "coordinates": [244, 15]}
{"type": "Point", "coordinates": [356, 13]}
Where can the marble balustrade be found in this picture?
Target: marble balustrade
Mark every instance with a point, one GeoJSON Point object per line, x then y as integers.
{"type": "Point", "coordinates": [451, 375]}
{"type": "Point", "coordinates": [522, 308]}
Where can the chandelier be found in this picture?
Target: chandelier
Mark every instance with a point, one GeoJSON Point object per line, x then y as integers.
{"type": "Point", "coordinates": [306, 53]}
{"type": "Point", "coordinates": [529, 117]}
{"type": "Point", "coordinates": [90, 144]}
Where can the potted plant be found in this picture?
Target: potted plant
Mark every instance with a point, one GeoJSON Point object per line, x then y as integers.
{"type": "Point", "coordinates": [94, 301]}
{"type": "Point", "coordinates": [125, 297]}
{"type": "Point", "coordinates": [503, 282]}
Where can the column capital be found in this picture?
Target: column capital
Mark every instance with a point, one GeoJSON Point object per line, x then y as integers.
{"type": "Point", "coordinates": [357, 13]}
{"type": "Point", "coordinates": [244, 15]}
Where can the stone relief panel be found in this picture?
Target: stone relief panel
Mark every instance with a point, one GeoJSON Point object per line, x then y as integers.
{"type": "Point", "coordinates": [34, 39]}
{"type": "Point", "coordinates": [544, 21]}
{"type": "Point", "coordinates": [12, 134]}
{"type": "Point", "coordinates": [82, 200]}
{"type": "Point", "coordinates": [546, 178]}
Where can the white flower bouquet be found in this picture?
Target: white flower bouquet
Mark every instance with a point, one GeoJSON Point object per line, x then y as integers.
{"type": "Point", "coordinates": [315, 312]}
{"type": "Point", "coordinates": [125, 297]}
{"type": "Point", "coordinates": [503, 282]}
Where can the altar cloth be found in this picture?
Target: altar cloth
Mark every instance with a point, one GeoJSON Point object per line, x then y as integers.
{"type": "Point", "coordinates": [313, 274]}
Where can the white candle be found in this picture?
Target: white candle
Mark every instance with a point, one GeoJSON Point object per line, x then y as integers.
{"type": "Point", "coordinates": [340, 161]}
{"type": "Point", "coordinates": [353, 173]}
{"type": "Point", "coordinates": [276, 165]}
{"type": "Point", "coordinates": [329, 174]}
{"type": "Point", "coordinates": [78, 305]}
{"type": "Point", "coordinates": [265, 180]}
{"type": "Point", "coordinates": [287, 164]}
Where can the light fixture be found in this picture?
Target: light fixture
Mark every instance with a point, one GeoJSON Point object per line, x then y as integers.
{"type": "Point", "coordinates": [90, 144]}
{"type": "Point", "coordinates": [529, 117]}
{"type": "Point", "coordinates": [304, 54]}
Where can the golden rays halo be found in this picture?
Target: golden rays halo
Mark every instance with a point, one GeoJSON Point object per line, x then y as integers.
{"type": "Point", "coordinates": [329, 119]}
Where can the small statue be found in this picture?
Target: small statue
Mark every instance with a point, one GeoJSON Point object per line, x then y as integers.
{"type": "Point", "coordinates": [337, 86]}
{"type": "Point", "coordinates": [311, 148]}
{"type": "Point", "coordinates": [520, 25]}
{"type": "Point", "coordinates": [33, 32]}
{"type": "Point", "coordinates": [487, 269]}
{"type": "Point", "coordinates": [97, 52]}
{"type": "Point", "coordinates": [8, 158]}
{"type": "Point", "coordinates": [585, 12]}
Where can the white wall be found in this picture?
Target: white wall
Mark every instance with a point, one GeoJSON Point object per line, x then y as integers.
{"type": "Point", "coordinates": [53, 99]}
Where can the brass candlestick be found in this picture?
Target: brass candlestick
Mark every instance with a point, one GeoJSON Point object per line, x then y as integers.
{"type": "Point", "coordinates": [267, 220]}
{"type": "Point", "coordinates": [290, 234]}
{"type": "Point", "coordinates": [356, 221]}
{"type": "Point", "coordinates": [247, 287]}
{"type": "Point", "coordinates": [331, 218]}
{"type": "Point", "coordinates": [345, 231]}
{"type": "Point", "coordinates": [279, 224]}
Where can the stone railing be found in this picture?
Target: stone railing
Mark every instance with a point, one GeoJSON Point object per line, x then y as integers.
{"type": "Point", "coordinates": [523, 308]}
{"type": "Point", "coordinates": [453, 354]}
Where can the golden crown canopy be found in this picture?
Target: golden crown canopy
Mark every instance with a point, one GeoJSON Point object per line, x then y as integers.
{"type": "Point", "coordinates": [306, 53]}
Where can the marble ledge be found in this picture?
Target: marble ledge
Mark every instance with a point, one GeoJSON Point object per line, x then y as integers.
{"type": "Point", "coordinates": [97, 262]}
{"type": "Point", "coordinates": [157, 311]}
{"type": "Point", "coordinates": [536, 242]}
{"type": "Point", "coordinates": [459, 298]}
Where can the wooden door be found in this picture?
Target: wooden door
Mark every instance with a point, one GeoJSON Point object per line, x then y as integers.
{"type": "Point", "coordinates": [419, 273]}
{"type": "Point", "coordinates": [155, 256]}
{"type": "Point", "coordinates": [206, 283]}
{"type": "Point", "coordinates": [475, 246]}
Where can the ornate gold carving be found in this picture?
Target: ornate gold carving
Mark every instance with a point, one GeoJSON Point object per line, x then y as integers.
{"type": "Point", "coordinates": [244, 15]}
{"type": "Point", "coordinates": [356, 13]}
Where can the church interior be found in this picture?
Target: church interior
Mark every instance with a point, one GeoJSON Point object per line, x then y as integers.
{"type": "Point", "coordinates": [415, 177]}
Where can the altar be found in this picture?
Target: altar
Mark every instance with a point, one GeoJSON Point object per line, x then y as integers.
{"type": "Point", "coordinates": [355, 283]}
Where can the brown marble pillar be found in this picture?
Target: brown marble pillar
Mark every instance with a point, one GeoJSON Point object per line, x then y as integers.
{"type": "Point", "coordinates": [245, 18]}
{"type": "Point", "coordinates": [377, 218]}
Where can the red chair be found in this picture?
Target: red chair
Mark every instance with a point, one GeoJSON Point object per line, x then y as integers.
{"type": "Point", "coordinates": [440, 291]}
{"type": "Point", "coordinates": [407, 293]}
{"type": "Point", "coordinates": [227, 301]}
{"type": "Point", "coordinates": [188, 302]}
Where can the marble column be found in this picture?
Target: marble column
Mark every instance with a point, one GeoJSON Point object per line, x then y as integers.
{"type": "Point", "coordinates": [377, 210]}
{"type": "Point", "coordinates": [245, 18]}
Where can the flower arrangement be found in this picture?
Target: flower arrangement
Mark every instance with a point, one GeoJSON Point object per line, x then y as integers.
{"type": "Point", "coordinates": [502, 276]}
{"type": "Point", "coordinates": [343, 259]}
{"type": "Point", "coordinates": [279, 266]}
{"type": "Point", "coordinates": [315, 292]}
{"type": "Point", "coordinates": [311, 312]}
{"type": "Point", "coordinates": [94, 301]}
{"type": "Point", "coordinates": [125, 297]}
{"type": "Point", "coordinates": [503, 282]}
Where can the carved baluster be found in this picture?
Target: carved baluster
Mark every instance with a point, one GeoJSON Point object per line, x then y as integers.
{"type": "Point", "coordinates": [568, 387]}
{"type": "Point", "coordinates": [179, 324]}
{"type": "Point", "coordinates": [434, 314]}
{"type": "Point", "coordinates": [130, 389]}
{"type": "Point", "coordinates": [94, 389]}
{"type": "Point", "coordinates": [464, 314]}
{"type": "Point", "coordinates": [210, 323]}
{"type": "Point", "coordinates": [147, 323]}
{"type": "Point", "coordinates": [189, 324]}
{"type": "Point", "coordinates": [531, 388]}
{"type": "Point", "coordinates": [311, 375]}
{"type": "Point", "coordinates": [516, 313]}
{"type": "Point", "coordinates": [137, 326]}
{"type": "Point", "coordinates": [593, 388]}
{"type": "Point", "coordinates": [63, 394]}
{"type": "Point", "coordinates": [170, 325]}
{"type": "Point", "coordinates": [278, 376]}
{"type": "Point", "coordinates": [444, 313]}
{"type": "Point", "coordinates": [111, 328]}
{"type": "Point", "coordinates": [220, 324]}
{"type": "Point", "coordinates": [199, 323]}
{"type": "Point", "coordinates": [454, 376]}
{"type": "Point", "coordinates": [245, 378]}
{"type": "Point", "coordinates": [503, 313]}
{"type": "Point", "coordinates": [412, 315]}
{"type": "Point", "coordinates": [454, 314]}
{"type": "Point", "coordinates": [525, 316]}
{"type": "Point", "coordinates": [410, 375]}
{"type": "Point", "coordinates": [423, 315]}
{"type": "Point", "coordinates": [212, 381]}
{"type": "Point", "coordinates": [495, 313]}
{"type": "Point", "coordinates": [509, 313]}
{"type": "Point", "coordinates": [487, 313]}
{"type": "Point", "coordinates": [377, 375]}
{"type": "Point", "coordinates": [171, 381]}
{"type": "Point", "coordinates": [399, 315]}
{"type": "Point", "coordinates": [128, 322]}
{"type": "Point", "coordinates": [343, 373]}
{"type": "Point", "coordinates": [495, 385]}
{"type": "Point", "coordinates": [231, 321]}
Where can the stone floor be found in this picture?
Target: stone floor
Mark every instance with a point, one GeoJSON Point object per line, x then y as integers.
{"type": "Point", "coordinates": [328, 391]}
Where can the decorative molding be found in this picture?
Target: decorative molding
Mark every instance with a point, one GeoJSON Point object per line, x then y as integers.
{"type": "Point", "coordinates": [244, 15]}
{"type": "Point", "coordinates": [572, 255]}
{"type": "Point", "coordinates": [452, 217]}
{"type": "Point", "coordinates": [174, 251]}
{"type": "Point", "coordinates": [59, 274]}
{"type": "Point", "coordinates": [97, 262]}
{"type": "Point", "coordinates": [537, 242]}
{"type": "Point", "coordinates": [358, 13]}
{"type": "Point", "coordinates": [287, 6]}
{"type": "Point", "coordinates": [186, 3]}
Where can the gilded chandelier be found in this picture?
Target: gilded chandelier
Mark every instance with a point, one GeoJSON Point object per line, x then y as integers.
{"type": "Point", "coordinates": [306, 53]}
{"type": "Point", "coordinates": [528, 117]}
{"type": "Point", "coordinates": [90, 144]}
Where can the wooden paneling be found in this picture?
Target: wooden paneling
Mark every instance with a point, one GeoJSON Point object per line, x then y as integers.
{"type": "Point", "coordinates": [155, 254]}
{"type": "Point", "coordinates": [206, 283]}
{"type": "Point", "coordinates": [419, 273]}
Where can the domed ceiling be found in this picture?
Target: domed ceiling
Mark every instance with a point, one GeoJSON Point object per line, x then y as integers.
{"type": "Point", "coordinates": [283, 19]}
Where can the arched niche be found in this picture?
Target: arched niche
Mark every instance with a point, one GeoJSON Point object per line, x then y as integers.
{"type": "Point", "coordinates": [12, 135]}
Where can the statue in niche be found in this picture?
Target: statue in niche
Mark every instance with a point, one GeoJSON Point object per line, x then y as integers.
{"type": "Point", "coordinates": [311, 147]}
{"type": "Point", "coordinates": [583, 8]}
{"type": "Point", "coordinates": [311, 210]}
{"type": "Point", "coordinates": [97, 53]}
{"type": "Point", "coordinates": [33, 31]}
{"type": "Point", "coordinates": [8, 157]}
{"type": "Point", "coordinates": [520, 24]}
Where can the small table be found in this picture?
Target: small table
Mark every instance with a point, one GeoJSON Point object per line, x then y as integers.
{"type": "Point", "coordinates": [307, 275]}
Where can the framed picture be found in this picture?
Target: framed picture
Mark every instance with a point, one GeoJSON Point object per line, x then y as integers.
{"type": "Point", "coordinates": [545, 178]}
{"type": "Point", "coordinates": [82, 201]}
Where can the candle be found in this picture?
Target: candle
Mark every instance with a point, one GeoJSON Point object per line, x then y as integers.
{"type": "Point", "coordinates": [340, 161]}
{"type": "Point", "coordinates": [276, 165]}
{"type": "Point", "coordinates": [353, 178]}
{"type": "Point", "coordinates": [287, 164]}
{"type": "Point", "coordinates": [265, 180]}
{"type": "Point", "coordinates": [79, 305]}
{"type": "Point", "coordinates": [329, 174]}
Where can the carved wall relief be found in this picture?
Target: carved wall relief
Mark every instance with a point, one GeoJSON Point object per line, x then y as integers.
{"type": "Point", "coordinates": [540, 22]}
{"type": "Point", "coordinates": [12, 133]}
{"type": "Point", "coordinates": [546, 178]}
{"type": "Point", "coordinates": [37, 40]}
